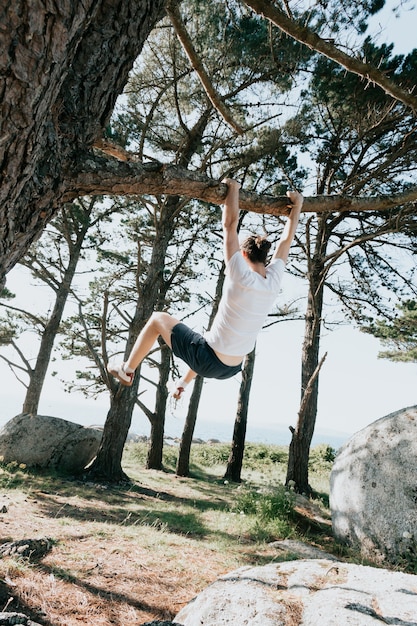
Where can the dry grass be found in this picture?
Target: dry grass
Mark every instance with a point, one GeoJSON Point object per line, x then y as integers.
{"type": "Point", "coordinates": [121, 555]}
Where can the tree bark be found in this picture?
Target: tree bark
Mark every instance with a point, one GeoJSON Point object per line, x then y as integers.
{"type": "Point", "coordinates": [235, 461]}
{"type": "Point", "coordinates": [107, 465]}
{"type": "Point", "coordinates": [52, 105]}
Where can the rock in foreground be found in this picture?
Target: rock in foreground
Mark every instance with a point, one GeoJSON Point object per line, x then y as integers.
{"type": "Point", "coordinates": [307, 592]}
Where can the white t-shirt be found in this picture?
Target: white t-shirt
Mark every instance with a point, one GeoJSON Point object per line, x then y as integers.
{"type": "Point", "coordinates": [247, 299]}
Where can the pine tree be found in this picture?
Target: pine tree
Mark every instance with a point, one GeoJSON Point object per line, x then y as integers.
{"type": "Point", "coordinates": [398, 334]}
{"type": "Point", "coordinates": [361, 143]}
{"type": "Point", "coordinates": [53, 261]}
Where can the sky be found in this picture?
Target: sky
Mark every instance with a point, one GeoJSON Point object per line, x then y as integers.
{"type": "Point", "coordinates": [356, 387]}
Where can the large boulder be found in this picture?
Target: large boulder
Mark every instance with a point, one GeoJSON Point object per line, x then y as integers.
{"type": "Point", "coordinates": [307, 592]}
{"type": "Point", "coordinates": [48, 442]}
{"type": "Point", "coordinates": [373, 488]}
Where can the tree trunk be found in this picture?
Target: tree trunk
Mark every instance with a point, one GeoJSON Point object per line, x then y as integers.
{"type": "Point", "coordinates": [38, 373]}
{"type": "Point", "coordinates": [148, 298]}
{"type": "Point", "coordinates": [235, 462]}
{"type": "Point", "coordinates": [302, 435]}
{"type": "Point", "coordinates": [152, 296]}
{"type": "Point", "coordinates": [156, 443]}
{"type": "Point", "coordinates": [107, 465]}
{"type": "Point", "coordinates": [52, 106]}
{"type": "Point", "coordinates": [297, 470]}
{"type": "Point", "coordinates": [183, 461]}
{"type": "Point", "coordinates": [155, 451]}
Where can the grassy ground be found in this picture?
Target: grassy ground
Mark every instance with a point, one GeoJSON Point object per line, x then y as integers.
{"type": "Point", "coordinates": [136, 553]}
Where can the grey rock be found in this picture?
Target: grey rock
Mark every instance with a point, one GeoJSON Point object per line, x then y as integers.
{"type": "Point", "coordinates": [373, 488]}
{"type": "Point", "coordinates": [48, 442]}
{"type": "Point", "coordinates": [307, 592]}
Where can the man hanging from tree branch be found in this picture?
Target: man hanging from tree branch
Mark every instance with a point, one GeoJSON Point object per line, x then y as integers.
{"type": "Point", "coordinates": [250, 290]}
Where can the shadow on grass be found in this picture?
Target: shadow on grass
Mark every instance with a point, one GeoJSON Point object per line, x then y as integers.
{"type": "Point", "coordinates": [175, 521]}
{"type": "Point", "coordinates": [102, 593]}
{"type": "Point", "coordinates": [141, 505]}
{"type": "Point", "coordinates": [11, 602]}
{"type": "Point", "coordinates": [170, 520]}
{"type": "Point", "coordinates": [46, 481]}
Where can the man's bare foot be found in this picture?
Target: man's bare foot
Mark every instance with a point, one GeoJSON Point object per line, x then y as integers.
{"type": "Point", "coordinates": [117, 370]}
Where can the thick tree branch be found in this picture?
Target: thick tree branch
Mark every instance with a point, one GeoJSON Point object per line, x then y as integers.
{"type": "Point", "coordinates": [174, 15]}
{"type": "Point", "coordinates": [99, 174]}
{"type": "Point", "coordinates": [306, 36]}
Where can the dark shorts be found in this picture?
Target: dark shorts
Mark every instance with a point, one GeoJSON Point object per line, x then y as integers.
{"type": "Point", "coordinates": [192, 348]}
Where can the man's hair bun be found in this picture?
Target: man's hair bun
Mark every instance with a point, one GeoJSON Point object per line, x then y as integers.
{"type": "Point", "coordinates": [262, 243]}
{"type": "Point", "coordinates": [256, 248]}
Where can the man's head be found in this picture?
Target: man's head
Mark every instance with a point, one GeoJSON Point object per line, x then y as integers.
{"type": "Point", "coordinates": [256, 248]}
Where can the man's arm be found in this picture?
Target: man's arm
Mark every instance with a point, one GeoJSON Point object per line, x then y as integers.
{"type": "Point", "coordinates": [230, 219]}
{"type": "Point", "coordinates": [283, 247]}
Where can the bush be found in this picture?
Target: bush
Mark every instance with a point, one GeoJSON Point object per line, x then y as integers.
{"type": "Point", "coordinates": [12, 474]}
{"type": "Point", "coordinates": [207, 454]}
{"type": "Point", "coordinates": [257, 455]}
{"type": "Point", "coordinates": [322, 457]}
{"type": "Point", "coordinates": [271, 509]}
{"type": "Point", "coordinates": [266, 504]}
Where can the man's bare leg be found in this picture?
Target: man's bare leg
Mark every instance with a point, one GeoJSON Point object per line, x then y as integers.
{"type": "Point", "coordinates": [159, 324]}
